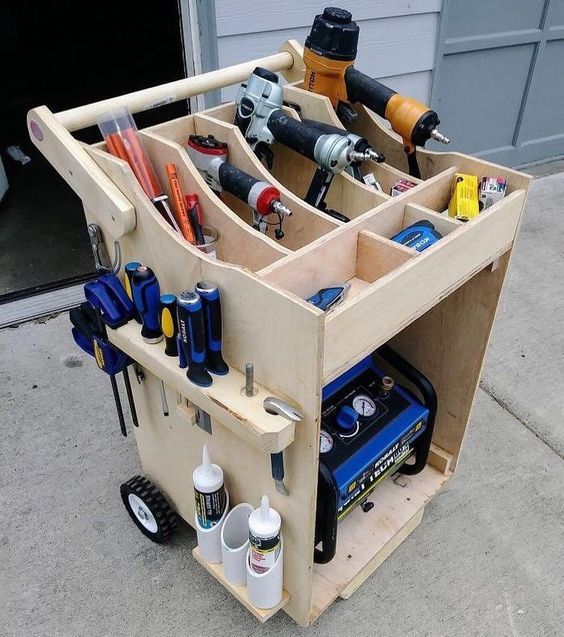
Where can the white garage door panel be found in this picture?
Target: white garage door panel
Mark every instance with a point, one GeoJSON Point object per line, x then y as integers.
{"type": "Point", "coordinates": [248, 16]}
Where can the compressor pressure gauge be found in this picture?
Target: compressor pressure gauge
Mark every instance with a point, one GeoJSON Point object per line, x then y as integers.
{"type": "Point", "coordinates": [325, 441]}
{"type": "Point", "coordinates": [364, 405]}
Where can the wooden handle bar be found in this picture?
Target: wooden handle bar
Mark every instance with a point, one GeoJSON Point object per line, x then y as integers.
{"type": "Point", "coordinates": [83, 116]}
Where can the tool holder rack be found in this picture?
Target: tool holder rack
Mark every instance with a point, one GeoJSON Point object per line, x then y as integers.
{"type": "Point", "coordinates": [436, 307]}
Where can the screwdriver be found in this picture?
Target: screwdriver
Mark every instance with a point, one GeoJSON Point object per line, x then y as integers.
{"type": "Point", "coordinates": [192, 334]}
{"type": "Point", "coordinates": [169, 323]}
{"type": "Point", "coordinates": [146, 294]}
{"type": "Point", "coordinates": [211, 304]}
{"type": "Point", "coordinates": [129, 269]}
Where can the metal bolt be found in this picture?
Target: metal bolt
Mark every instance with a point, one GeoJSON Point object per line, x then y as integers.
{"type": "Point", "coordinates": [249, 379]}
{"type": "Point", "coordinates": [142, 513]}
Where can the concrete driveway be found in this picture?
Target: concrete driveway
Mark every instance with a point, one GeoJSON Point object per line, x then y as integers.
{"type": "Point", "coordinates": [487, 560]}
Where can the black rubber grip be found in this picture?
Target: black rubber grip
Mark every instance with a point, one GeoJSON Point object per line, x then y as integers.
{"type": "Point", "coordinates": [236, 181]}
{"type": "Point", "coordinates": [327, 129]}
{"type": "Point", "coordinates": [368, 91]}
{"type": "Point", "coordinates": [294, 134]}
{"type": "Point", "coordinates": [191, 328]}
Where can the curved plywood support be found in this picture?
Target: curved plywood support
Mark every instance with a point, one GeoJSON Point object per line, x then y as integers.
{"type": "Point", "coordinates": [295, 172]}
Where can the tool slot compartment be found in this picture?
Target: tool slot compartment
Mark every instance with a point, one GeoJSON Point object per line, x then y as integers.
{"type": "Point", "coordinates": [235, 237]}
{"type": "Point", "coordinates": [306, 223]}
{"type": "Point", "coordinates": [319, 108]}
{"type": "Point", "coordinates": [295, 172]}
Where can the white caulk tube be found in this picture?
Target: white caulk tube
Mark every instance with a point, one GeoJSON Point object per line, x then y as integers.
{"type": "Point", "coordinates": [212, 503]}
{"type": "Point", "coordinates": [264, 564]}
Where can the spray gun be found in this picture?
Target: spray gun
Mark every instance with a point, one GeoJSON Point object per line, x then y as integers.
{"type": "Point", "coordinates": [329, 56]}
{"type": "Point", "coordinates": [210, 157]}
{"type": "Point", "coordinates": [261, 120]}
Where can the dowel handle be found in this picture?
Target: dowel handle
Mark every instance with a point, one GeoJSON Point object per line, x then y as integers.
{"type": "Point", "coordinates": [83, 116]}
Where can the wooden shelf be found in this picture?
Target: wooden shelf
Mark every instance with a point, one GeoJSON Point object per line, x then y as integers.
{"type": "Point", "coordinates": [365, 540]}
{"type": "Point", "coordinates": [240, 592]}
{"type": "Point", "coordinates": [224, 400]}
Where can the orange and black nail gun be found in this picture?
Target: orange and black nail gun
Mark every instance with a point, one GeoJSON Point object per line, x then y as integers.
{"type": "Point", "coordinates": [329, 56]}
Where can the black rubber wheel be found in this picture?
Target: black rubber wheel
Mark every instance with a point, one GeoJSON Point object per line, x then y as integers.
{"type": "Point", "coordinates": [149, 509]}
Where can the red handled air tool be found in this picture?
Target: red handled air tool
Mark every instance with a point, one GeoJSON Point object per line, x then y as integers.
{"type": "Point", "coordinates": [210, 158]}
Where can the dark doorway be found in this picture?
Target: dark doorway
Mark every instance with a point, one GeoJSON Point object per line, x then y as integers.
{"type": "Point", "coordinates": [64, 54]}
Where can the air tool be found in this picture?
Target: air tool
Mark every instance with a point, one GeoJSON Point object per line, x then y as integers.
{"type": "Point", "coordinates": [209, 155]}
{"type": "Point", "coordinates": [329, 56]}
{"type": "Point", "coordinates": [262, 121]}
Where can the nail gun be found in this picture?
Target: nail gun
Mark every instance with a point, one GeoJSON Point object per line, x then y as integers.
{"type": "Point", "coordinates": [329, 56]}
{"type": "Point", "coordinates": [262, 121]}
{"type": "Point", "coordinates": [210, 157]}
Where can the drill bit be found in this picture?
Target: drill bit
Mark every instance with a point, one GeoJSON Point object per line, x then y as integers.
{"type": "Point", "coordinates": [278, 207]}
{"type": "Point", "coordinates": [439, 137]}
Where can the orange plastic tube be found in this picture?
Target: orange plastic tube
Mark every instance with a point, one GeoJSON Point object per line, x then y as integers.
{"type": "Point", "coordinates": [178, 205]}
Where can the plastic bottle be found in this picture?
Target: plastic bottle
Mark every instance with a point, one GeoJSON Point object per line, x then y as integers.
{"type": "Point", "coordinates": [209, 492]}
{"type": "Point", "coordinates": [264, 537]}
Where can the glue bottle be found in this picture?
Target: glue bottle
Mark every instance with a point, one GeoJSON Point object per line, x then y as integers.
{"type": "Point", "coordinates": [209, 492]}
{"type": "Point", "coordinates": [264, 537]}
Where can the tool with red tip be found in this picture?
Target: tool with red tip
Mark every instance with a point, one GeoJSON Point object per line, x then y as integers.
{"type": "Point", "coordinates": [210, 157]}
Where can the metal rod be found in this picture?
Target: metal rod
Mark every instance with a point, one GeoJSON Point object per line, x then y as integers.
{"type": "Point", "coordinates": [118, 405]}
{"type": "Point", "coordinates": [132, 409]}
{"type": "Point", "coordinates": [249, 379]}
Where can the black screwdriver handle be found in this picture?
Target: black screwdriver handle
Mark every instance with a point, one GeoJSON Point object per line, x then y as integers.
{"type": "Point", "coordinates": [211, 304]}
{"type": "Point", "coordinates": [294, 134]}
{"type": "Point", "coordinates": [191, 329]}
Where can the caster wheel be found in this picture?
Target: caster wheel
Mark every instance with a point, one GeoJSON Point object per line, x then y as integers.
{"type": "Point", "coordinates": [149, 509]}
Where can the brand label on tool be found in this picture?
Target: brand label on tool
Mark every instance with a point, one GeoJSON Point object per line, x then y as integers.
{"type": "Point", "coordinates": [263, 552]}
{"type": "Point", "coordinates": [165, 100]}
{"type": "Point", "coordinates": [210, 507]}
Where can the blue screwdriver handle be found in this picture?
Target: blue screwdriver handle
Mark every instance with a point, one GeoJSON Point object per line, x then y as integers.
{"type": "Point", "coordinates": [191, 329]}
{"type": "Point", "coordinates": [211, 304]}
{"type": "Point", "coordinates": [146, 296]}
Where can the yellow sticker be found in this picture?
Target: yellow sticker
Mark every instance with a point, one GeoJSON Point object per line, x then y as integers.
{"type": "Point", "coordinates": [99, 355]}
{"type": "Point", "coordinates": [419, 425]}
{"type": "Point", "coordinates": [167, 323]}
{"type": "Point", "coordinates": [352, 486]}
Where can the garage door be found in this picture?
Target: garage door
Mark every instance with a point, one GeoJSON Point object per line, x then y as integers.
{"type": "Point", "coordinates": [499, 78]}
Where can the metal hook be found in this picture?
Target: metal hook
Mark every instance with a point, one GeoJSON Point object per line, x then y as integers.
{"type": "Point", "coordinates": [101, 258]}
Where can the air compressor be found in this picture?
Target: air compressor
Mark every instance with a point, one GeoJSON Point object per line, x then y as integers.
{"type": "Point", "coordinates": [371, 427]}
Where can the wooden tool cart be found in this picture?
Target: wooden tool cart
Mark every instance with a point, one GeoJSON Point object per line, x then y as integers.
{"type": "Point", "coordinates": [436, 308]}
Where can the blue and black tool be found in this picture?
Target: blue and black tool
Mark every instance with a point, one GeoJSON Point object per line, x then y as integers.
{"type": "Point", "coordinates": [89, 334]}
{"type": "Point", "coordinates": [169, 323]}
{"type": "Point", "coordinates": [129, 269]}
{"type": "Point", "coordinates": [211, 304]}
{"type": "Point", "coordinates": [146, 296]}
{"type": "Point", "coordinates": [371, 427]}
{"type": "Point", "coordinates": [192, 333]}
{"type": "Point", "coordinates": [419, 235]}
{"type": "Point", "coordinates": [107, 295]}
{"type": "Point", "coordinates": [327, 298]}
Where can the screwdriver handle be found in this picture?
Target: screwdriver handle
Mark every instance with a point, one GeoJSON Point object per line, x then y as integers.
{"type": "Point", "coordinates": [146, 295]}
{"type": "Point", "coordinates": [169, 323]}
{"type": "Point", "coordinates": [191, 328]}
{"type": "Point", "coordinates": [129, 269]}
{"type": "Point", "coordinates": [211, 304]}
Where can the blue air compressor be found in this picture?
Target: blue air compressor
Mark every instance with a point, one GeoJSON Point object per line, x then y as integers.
{"type": "Point", "coordinates": [371, 427]}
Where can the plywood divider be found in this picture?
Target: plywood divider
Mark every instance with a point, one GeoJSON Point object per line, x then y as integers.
{"type": "Point", "coordinates": [376, 256]}
{"type": "Point", "coordinates": [295, 172]}
{"type": "Point", "coordinates": [436, 272]}
{"type": "Point", "coordinates": [442, 222]}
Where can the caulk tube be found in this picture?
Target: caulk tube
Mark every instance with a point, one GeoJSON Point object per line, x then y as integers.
{"type": "Point", "coordinates": [265, 557]}
{"type": "Point", "coordinates": [212, 502]}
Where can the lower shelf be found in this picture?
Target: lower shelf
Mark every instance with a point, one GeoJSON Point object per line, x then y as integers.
{"type": "Point", "coordinates": [240, 592]}
{"type": "Point", "coordinates": [365, 540]}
